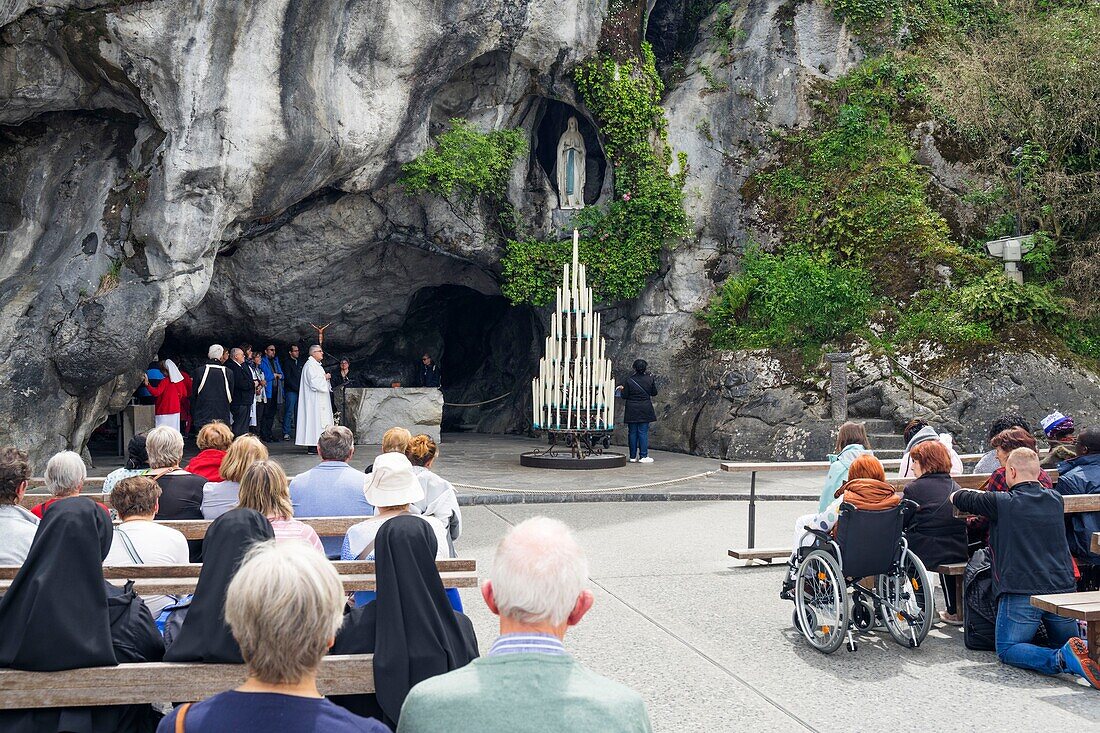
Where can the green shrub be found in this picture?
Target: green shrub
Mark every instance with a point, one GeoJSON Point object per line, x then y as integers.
{"type": "Point", "coordinates": [465, 163]}
{"type": "Point", "coordinates": [999, 301]}
{"type": "Point", "coordinates": [792, 299]}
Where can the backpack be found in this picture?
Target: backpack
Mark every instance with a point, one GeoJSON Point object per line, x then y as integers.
{"type": "Point", "coordinates": [170, 620]}
{"type": "Point", "coordinates": [980, 619]}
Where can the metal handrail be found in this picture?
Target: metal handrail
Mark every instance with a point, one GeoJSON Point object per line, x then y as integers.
{"type": "Point", "coordinates": [914, 377]}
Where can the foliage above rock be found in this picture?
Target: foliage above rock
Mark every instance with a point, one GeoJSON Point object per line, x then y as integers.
{"type": "Point", "coordinates": [466, 163]}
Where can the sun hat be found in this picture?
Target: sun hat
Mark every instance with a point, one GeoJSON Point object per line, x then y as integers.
{"type": "Point", "coordinates": [1056, 422]}
{"type": "Point", "coordinates": [392, 482]}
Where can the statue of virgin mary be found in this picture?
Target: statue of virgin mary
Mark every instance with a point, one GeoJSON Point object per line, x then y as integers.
{"type": "Point", "coordinates": [571, 167]}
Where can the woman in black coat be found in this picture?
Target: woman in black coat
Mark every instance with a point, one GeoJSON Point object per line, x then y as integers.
{"type": "Point", "coordinates": [637, 391]}
{"type": "Point", "coordinates": [935, 534]}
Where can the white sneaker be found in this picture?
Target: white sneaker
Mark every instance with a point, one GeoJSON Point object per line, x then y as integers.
{"type": "Point", "coordinates": [633, 460]}
{"type": "Point", "coordinates": [647, 459]}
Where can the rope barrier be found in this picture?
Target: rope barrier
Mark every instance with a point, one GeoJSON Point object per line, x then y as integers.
{"type": "Point", "coordinates": [654, 484]}
{"type": "Point", "coordinates": [475, 404]}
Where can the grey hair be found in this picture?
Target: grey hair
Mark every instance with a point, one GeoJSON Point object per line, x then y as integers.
{"type": "Point", "coordinates": [284, 607]}
{"type": "Point", "coordinates": [336, 443]}
{"type": "Point", "coordinates": [539, 571]}
{"type": "Point", "coordinates": [65, 473]}
{"type": "Point", "coordinates": [315, 347]}
{"type": "Point", "coordinates": [164, 446]}
{"type": "Point", "coordinates": [234, 351]}
{"type": "Point", "coordinates": [215, 352]}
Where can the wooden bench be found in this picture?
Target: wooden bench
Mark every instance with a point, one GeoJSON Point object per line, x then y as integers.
{"type": "Point", "coordinates": [760, 553]}
{"type": "Point", "coordinates": [131, 684]}
{"type": "Point", "coordinates": [30, 501]}
{"type": "Point", "coordinates": [956, 570]}
{"type": "Point", "coordinates": [195, 529]}
{"type": "Point", "coordinates": [1082, 606]}
{"type": "Point", "coordinates": [182, 579]}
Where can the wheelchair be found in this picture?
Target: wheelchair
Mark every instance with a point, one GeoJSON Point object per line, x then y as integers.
{"type": "Point", "coordinates": [830, 601]}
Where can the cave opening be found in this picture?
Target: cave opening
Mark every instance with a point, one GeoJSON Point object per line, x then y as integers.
{"type": "Point", "coordinates": [551, 125]}
{"type": "Point", "coordinates": [485, 347]}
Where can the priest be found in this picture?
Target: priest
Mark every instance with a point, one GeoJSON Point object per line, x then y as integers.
{"type": "Point", "coordinates": [314, 405]}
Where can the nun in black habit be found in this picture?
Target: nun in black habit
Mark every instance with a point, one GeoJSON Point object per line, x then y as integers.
{"type": "Point", "coordinates": [59, 613]}
{"type": "Point", "coordinates": [204, 635]}
{"type": "Point", "coordinates": [410, 627]}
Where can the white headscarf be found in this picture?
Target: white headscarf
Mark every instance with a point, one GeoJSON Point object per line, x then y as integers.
{"type": "Point", "coordinates": [174, 374]}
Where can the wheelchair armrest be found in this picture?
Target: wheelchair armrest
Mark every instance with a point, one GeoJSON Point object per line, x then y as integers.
{"type": "Point", "coordinates": [819, 533]}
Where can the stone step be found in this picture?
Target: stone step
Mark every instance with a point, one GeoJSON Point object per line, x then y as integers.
{"type": "Point", "coordinates": [890, 441]}
{"type": "Point", "coordinates": [875, 426]}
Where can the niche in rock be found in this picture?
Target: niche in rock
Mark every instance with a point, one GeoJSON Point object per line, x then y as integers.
{"type": "Point", "coordinates": [552, 123]}
{"type": "Point", "coordinates": [664, 27]}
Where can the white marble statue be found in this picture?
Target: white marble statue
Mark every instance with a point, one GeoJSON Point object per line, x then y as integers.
{"type": "Point", "coordinates": [571, 167]}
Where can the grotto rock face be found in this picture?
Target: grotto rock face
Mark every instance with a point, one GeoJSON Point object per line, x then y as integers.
{"type": "Point", "coordinates": [142, 138]}
{"type": "Point", "coordinates": [188, 171]}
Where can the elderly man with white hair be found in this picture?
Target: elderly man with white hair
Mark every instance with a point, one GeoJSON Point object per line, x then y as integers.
{"type": "Point", "coordinates": [65, 474]}
{"type": "Point", "coordinates": [314, 404]}
{"type": "Point", "coordinates": [528, 681]}
{"type": "Point", "coordinates": [213, 391]}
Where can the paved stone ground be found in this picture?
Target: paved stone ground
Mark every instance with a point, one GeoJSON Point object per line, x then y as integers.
{"type": "Point", "coordinates": [711, 648]}
{"type": "Point", "coordinates": [493, 461]}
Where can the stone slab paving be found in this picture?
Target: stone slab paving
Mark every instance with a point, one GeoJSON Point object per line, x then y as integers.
{"type": "Point", "coordinates": [710, 646]}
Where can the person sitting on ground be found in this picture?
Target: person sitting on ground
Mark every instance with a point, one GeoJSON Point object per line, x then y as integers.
{"type": "Point", "coordinates": [264, 488]}
{"type": "Point", "coordinates": [138, 540]}
{"type": "Point", "coordinates": [851, 442]}
{"type": "Point", "coordinates": [332, 488]}
{"type": "Point", "coordinates": [214, 440]}
{"type": "Point", "coordinates": [283, 608]}
{"type": "Point", "coordinates": [1081, 475]}
{"type": "Point", "coordinates": [394, 440]}
{"type": "Point", "coordinates": [65, 475]}
{"type": "Point", "coordinates": [1030, 556]}
{"type": "Point", "coordinates": [220, 497]}
{"type": "Point", "coordinates": [537, 588]}
{"type": "Point", "coordinates": [918, 431]}
{"type": "Point", "coordinates": [203, 635]}
{"type": "Point", "coordinates": [391, 488]}
{"type": "Point", "coordinates": [935, 534]}
{"type": "Point", "coordinates": [180, 491]}
{"type": "Point", "coordinates": [988, 463]}
{"type": "Point", "coordinates": [866, 489]}
{"type": "Point", "coordinates": [60, 614]}
{"type": "Point", "coordinates": [410, 628]}
{"type": "Point", "coordinates": [17, 525]}
{"type": "Point", "coordinates": [1058, 429]}
{"type": "Point", "coordinates": [137, 464]}
{"type": "Point", "coordinates": [440, 498]}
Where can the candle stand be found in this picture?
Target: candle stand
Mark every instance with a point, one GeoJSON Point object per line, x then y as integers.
{"type": "Point", "coordinates": [573, 397]}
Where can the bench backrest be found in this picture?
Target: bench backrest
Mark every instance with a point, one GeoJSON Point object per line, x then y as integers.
{"type": "Point", "coordinates": [130, 684]}
{"type": "Point", "coordinates": [191, 570]}
{"type": "Point", "coordinates": [966, 481]}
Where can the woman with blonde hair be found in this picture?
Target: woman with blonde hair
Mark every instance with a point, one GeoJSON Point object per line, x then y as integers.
{"type": "Point", "coordinates": [220, 497]}
{"type": "Point", "coordinates": [265, 489]}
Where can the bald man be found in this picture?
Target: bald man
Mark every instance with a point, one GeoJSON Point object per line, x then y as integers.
{"type": "Point", "coordinates": [1030, 556]}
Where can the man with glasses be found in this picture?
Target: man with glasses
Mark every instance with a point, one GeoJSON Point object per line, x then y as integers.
{"type": "Point", "coordinates": [429, 372]}
{"type": "Point", "coordinates": [292, 378]}
{"type": "Point", "coordinates": [273, 390]}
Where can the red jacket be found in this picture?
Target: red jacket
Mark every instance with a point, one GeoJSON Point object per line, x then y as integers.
{"type": "Point", "coordinates": [207, 464]}
{"type": "Point", "coordinates": [168, 395]}
{"type": "Point", "coordinates": [40, 509]}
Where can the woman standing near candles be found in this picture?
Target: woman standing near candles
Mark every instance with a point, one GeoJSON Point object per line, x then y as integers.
{"type": "Point", "coordinates": [637, 392]}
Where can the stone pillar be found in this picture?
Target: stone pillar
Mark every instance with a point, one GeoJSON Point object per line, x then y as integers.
{"type": "Point", "coordinates": [838, 385]}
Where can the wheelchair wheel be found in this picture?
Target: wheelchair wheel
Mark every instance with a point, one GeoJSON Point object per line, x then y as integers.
{"type": "Point", "coordinates": [908, 603]}
{"type": "Point", "coordinates": [821, 602]}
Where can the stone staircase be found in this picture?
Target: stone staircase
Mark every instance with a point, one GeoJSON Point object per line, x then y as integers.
{"type": "Point", "coordinates": [885, 436]}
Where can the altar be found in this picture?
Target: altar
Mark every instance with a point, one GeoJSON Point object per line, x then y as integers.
{"type": "Point", "coordinates": [373, 411]}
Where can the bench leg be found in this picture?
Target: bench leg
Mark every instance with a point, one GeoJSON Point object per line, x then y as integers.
{"type": "Point", "coordinates": [1092, 632]}
{"type": "Point", "coordinates": [960, 605]}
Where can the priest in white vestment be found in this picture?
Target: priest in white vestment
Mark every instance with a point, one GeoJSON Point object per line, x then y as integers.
{"type": "Point", "coordinates": [314, 403]}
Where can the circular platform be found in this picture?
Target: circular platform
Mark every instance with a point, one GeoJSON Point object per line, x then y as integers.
{"type": "Point", "coordinates": [569, 463]}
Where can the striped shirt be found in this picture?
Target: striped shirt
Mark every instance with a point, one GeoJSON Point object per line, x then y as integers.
{"type": "Point", "coordinates": [292, 529]}
{"type": "Point", "coordinates": [527, 643]}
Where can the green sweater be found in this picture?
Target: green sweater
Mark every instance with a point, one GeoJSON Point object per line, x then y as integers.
{"type": "Point", "coordinates": [523, 693]}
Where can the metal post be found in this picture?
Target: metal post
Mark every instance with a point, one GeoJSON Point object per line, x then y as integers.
{"type": "Point", "coordinates": [752, 511]}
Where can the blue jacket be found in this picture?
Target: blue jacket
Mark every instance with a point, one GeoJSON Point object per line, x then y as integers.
{"type": "Point", "coordinates": [1027, 538]}
{"type": "Point", "coordinates": [838, 473]}
{"type": "Point", "coordinates": [1081, 476]}
{"type": "Point", "coordinates": [270, 371]}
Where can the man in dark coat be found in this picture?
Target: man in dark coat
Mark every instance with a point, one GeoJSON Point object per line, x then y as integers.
{"type": "Point", "coordinates": [244, 391]}
{"type": "Point", "coordinates": [213, 387]}
{"type": "Point", "coordinates": [429, 372]}
{"type": "Point", "coordinates": [292, 379]}
{"type": "Point", "coordinates": [1081, 475]}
